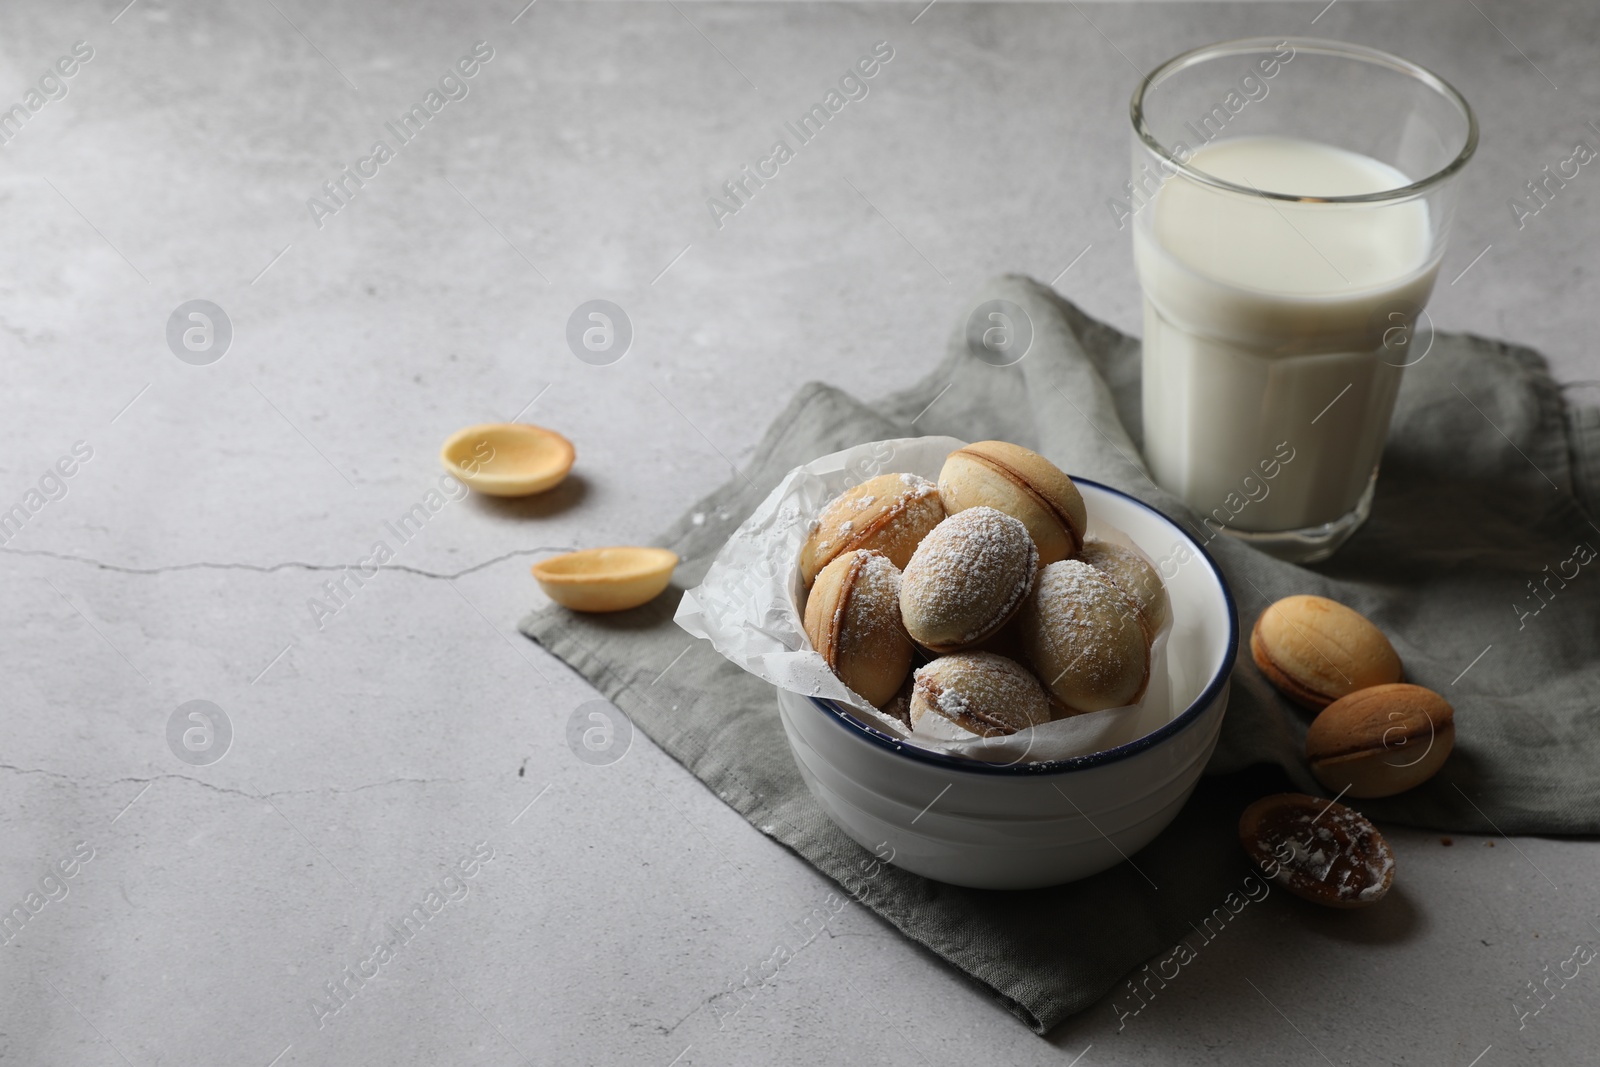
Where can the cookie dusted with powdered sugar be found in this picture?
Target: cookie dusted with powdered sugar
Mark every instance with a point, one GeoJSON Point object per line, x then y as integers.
{"type": "Point", "coordinates": [967, 579]}
{"type": "Point", "coordinates": [1134, 575]}
{"type": "Point", "coordinates": [891, 513]}
{"type": "Point", "coordinates": [853, 621]}
{"type": "Point", "coordinates": [980, 692]}
{"type": "Point", "coordinates": [1085, 638]}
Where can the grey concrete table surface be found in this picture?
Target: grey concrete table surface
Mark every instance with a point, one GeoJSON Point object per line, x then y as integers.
{"type": "Point", "coordinates": [405, 735]}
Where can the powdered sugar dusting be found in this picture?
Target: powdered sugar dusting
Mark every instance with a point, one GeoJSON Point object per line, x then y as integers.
{"type": "Point", "coordinates": [967, 577]}
{"type": "Point", "coordinates": [910, 486]}
{"type": "Point", "coordinates": [1084, 634]}
{"type": "Point", "coordinates": [881, 513]}
{"type": "Point", "coordinates": [1323, 850]}
{"type": "Point", "coordinates": [979, 691]}
{"type": "Point", "coordinates": [1133, 574]}
{"type": "Point", "coordinates": [873, 607]}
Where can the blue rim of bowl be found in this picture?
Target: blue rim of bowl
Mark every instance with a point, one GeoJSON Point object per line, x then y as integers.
{"type": "Point", "coordinates": [842, 715]}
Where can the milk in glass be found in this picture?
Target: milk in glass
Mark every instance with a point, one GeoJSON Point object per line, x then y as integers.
{"type": "Point", "coordinates": [1268, 385]}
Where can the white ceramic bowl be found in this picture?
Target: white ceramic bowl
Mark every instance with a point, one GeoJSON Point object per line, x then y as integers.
{"type": "Point", "coordinates": [1027, 825]}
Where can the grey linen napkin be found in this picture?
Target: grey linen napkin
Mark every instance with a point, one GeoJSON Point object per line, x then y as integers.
{"type": "Point", "coordinates": [1488, 481]}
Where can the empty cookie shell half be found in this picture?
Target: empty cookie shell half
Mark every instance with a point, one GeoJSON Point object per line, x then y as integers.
{"type": "Point", "coordinates": [508, 458]}
{"type": "Point", "coordinates": [606, 579]}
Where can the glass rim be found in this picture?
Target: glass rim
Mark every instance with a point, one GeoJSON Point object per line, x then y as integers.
{"type": "Point", "coordinates": [1315, 46]}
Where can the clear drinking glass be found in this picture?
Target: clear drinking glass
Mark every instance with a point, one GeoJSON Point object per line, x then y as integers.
{"type": "Point", "coordinates": [1290, 203]}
